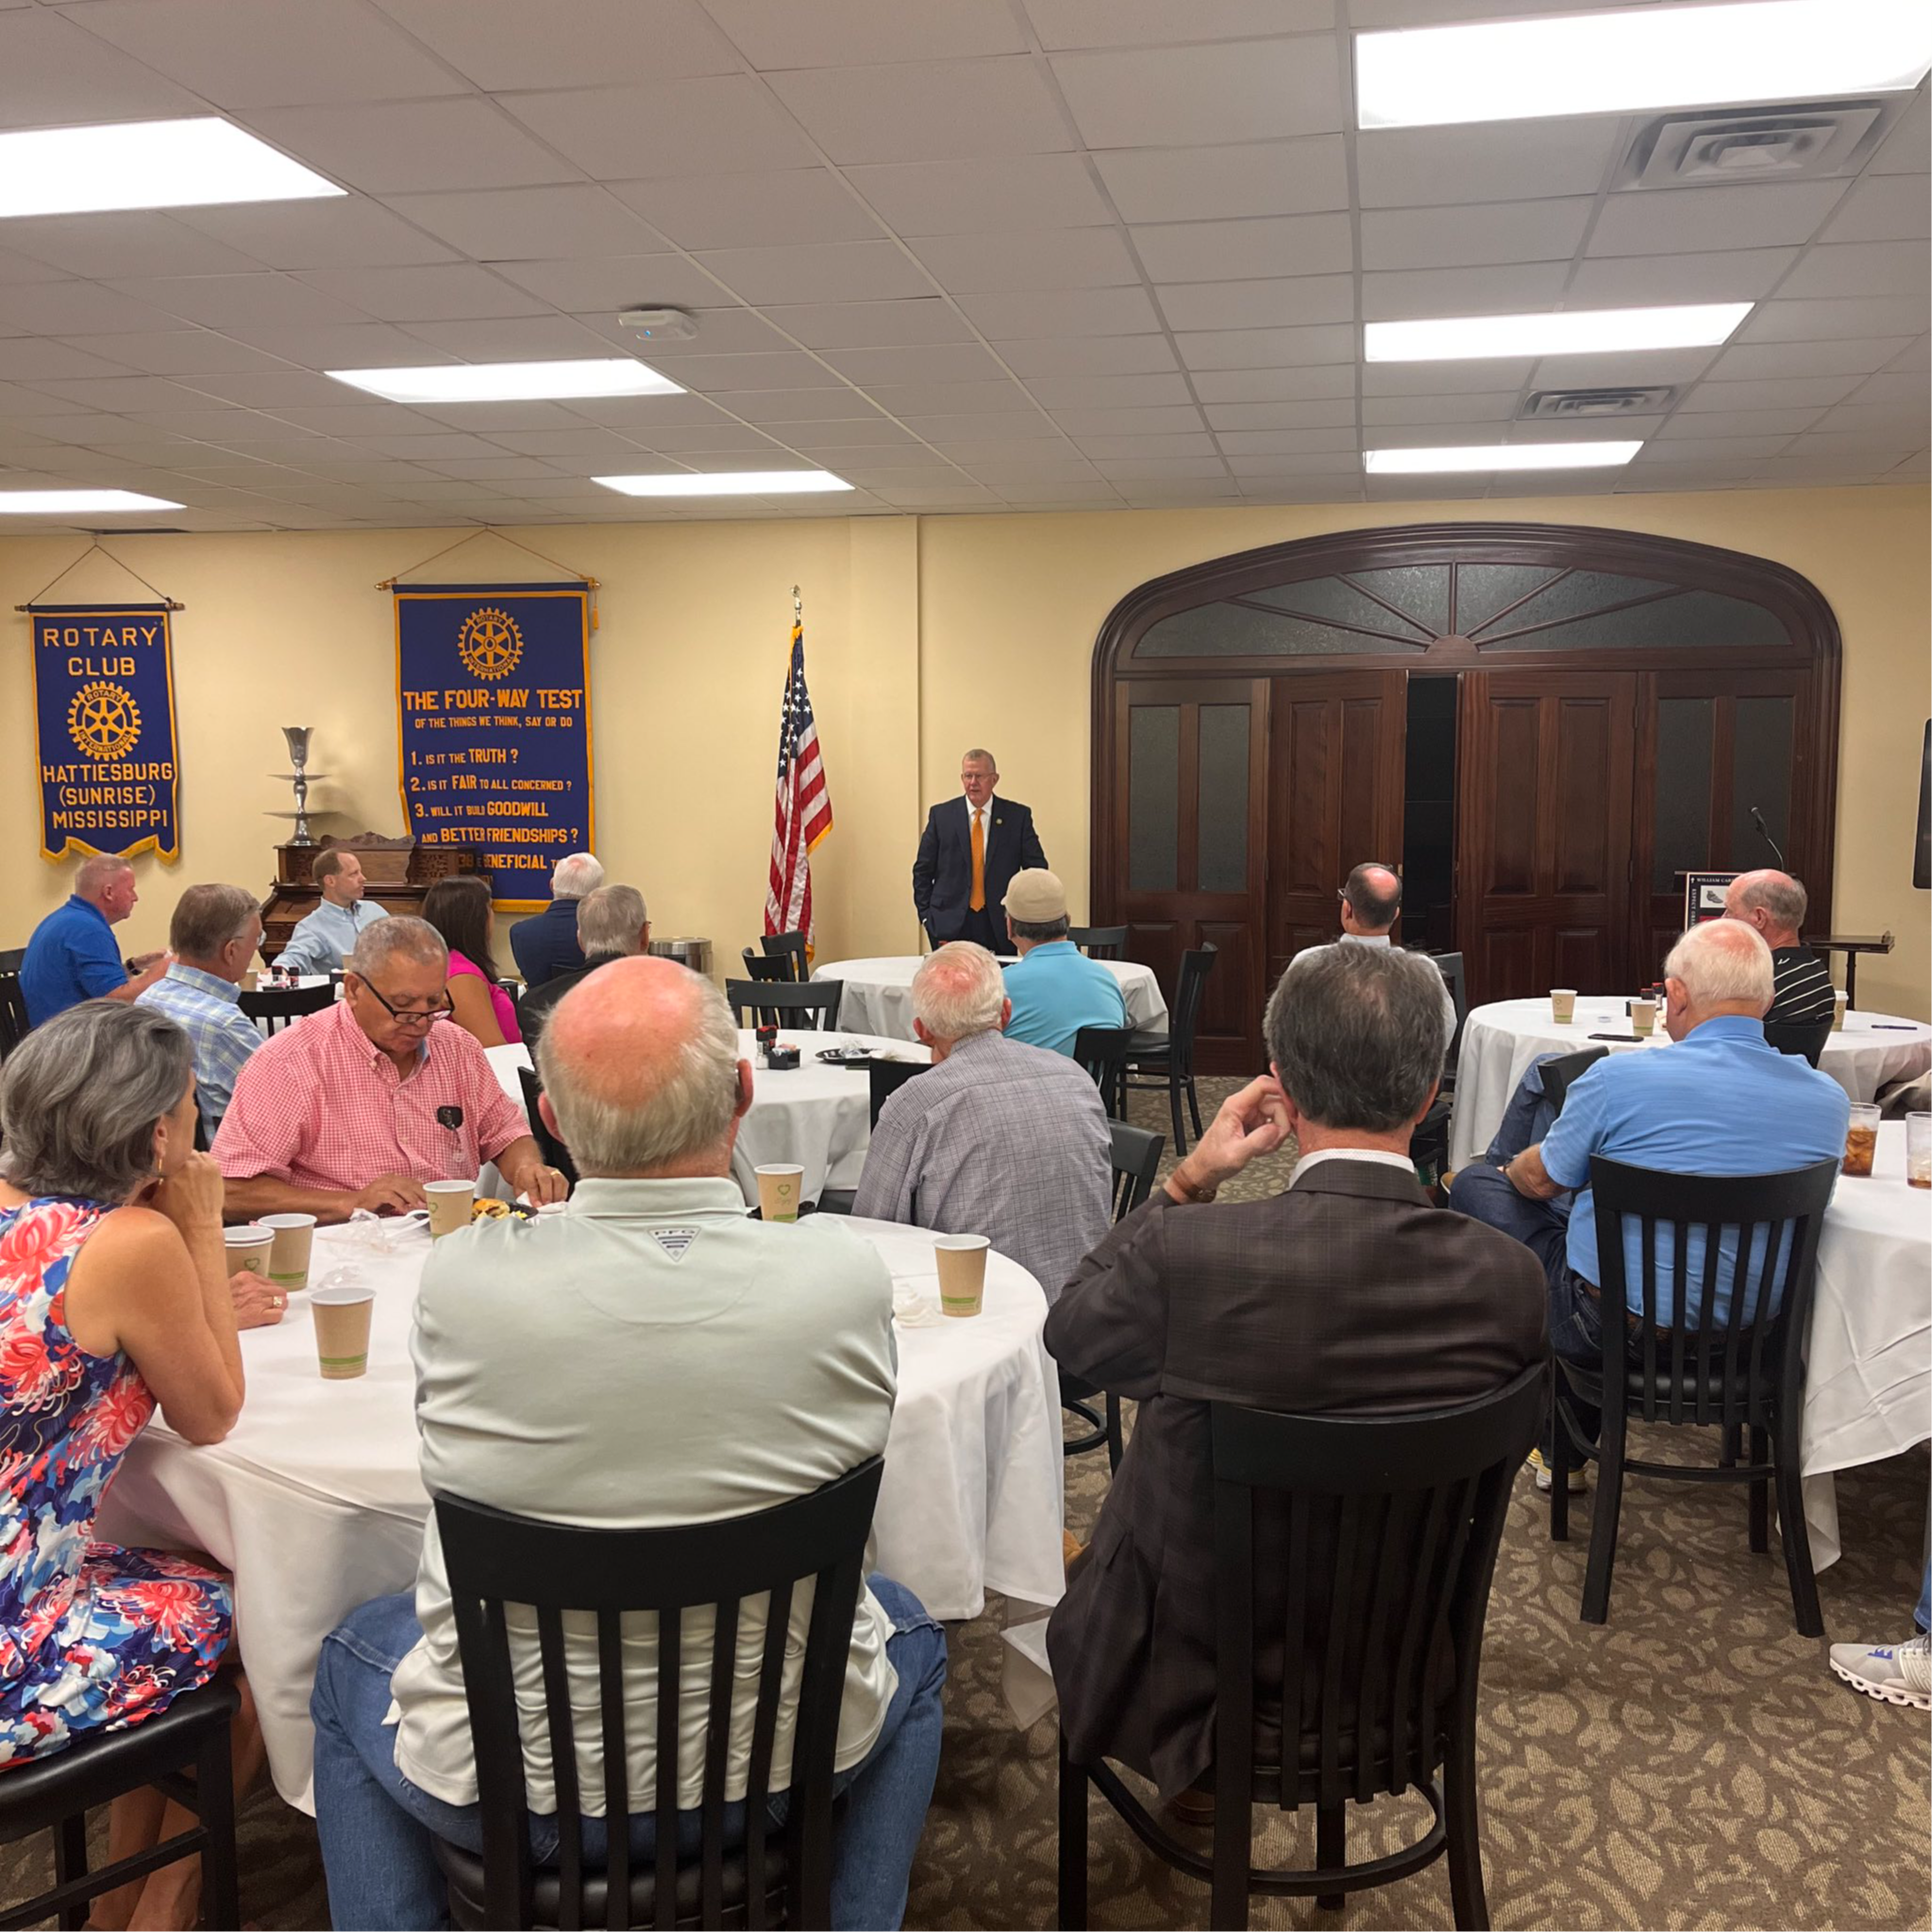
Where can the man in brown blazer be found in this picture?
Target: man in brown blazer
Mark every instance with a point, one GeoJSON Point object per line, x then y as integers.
{"type": "Point", "coordinates": [1346, 1293]}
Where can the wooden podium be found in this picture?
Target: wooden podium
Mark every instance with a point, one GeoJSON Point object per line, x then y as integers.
{"type": "Point", "coordinates": [400, 872]}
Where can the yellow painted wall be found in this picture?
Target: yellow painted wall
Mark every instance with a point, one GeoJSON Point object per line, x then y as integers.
{"type": "Point", "coordinates": [923, 636]}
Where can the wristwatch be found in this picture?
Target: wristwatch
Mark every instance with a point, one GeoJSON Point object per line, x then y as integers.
{"type": "Point", "coordinates": [1197, 1197]}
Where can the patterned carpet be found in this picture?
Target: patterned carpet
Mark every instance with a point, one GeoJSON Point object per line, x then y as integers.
{"type": "Point", "coordinates": [1692, 1764]}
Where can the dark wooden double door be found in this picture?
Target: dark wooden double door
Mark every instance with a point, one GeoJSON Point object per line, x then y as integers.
{"type": "Point", "coordinates": [1241, 802]}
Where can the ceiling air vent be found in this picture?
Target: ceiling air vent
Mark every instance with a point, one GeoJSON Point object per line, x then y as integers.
{"type": "Point", "coordinates": [1766, 143]}
{"type": "Point", "coordinates": [1575, 404]}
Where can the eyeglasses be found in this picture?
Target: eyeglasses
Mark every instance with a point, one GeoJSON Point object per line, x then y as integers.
{"type": "Point", "coordinates": [406, 1016]}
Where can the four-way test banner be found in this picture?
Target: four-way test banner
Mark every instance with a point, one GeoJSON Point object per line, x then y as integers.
{"type": "Point", "coordinates": [493, 704]}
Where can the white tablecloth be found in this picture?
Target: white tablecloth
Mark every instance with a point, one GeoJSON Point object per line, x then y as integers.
{"type": "Point", "coordinates": [1867, 1387]}
{"type": "Point", "coordinates": [879, 994]}
{"type": "Point", "coordinates": [818, 1116]}
{"type": "Point", "coordinates": [315, 1504]}
{"type": "Point", "coordinates": [1499, 1041]}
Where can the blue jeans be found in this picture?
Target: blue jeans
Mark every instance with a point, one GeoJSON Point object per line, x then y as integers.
{"type": "Point", "coordinates": [377, 1827]}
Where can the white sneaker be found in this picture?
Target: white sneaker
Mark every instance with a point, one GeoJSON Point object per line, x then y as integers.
{"type": "Point", "coordinates": [1546, 1477]}
{"type": "Point", "coordinates": [1893, 1673]}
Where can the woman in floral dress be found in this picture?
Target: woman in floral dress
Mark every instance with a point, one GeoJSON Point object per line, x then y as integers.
{"type": "Point", "coordinates": [114, 1297]}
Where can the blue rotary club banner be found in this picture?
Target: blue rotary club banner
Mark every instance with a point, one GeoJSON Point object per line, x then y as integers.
{"type": "Point", "coordinates": [103, 730]}
{"type": "Point", "coordinates": [492, 698]}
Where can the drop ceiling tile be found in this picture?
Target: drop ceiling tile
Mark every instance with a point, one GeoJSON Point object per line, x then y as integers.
{"type": "Point", "coordinates": [482, 418]}
{"type": "Point", "coordinates": [945, 398]}
{"type": "Point", "coordinates": [1861, 268]}
{"type": "Point", "coordinates": [58, 73]}
{"type": "Point", "coordinates": [1053, 464]}
{"type": "Point", "coordinates": [1709, 448]}
{"type": "Point", "coordinates": [143, 243]}
{"type": "Point", "coordinates": [1064, 24]}
{"type": "Point", "coordinates": [184, 352]}
{"type": "Point", "coordinates": [1874, 420]}
{"type": "Point", "coordinates": [784, 406]}
{"type": "Point", "coordinates": [1630, 280]}
{"type": "Point", "coordinates": [1445, 378]}
{"type": "Point", "coordinates": [1108, 392]}
{"type": "Point", "coordinates": [1826, 321]}
{"type": "Point", "coordinates": [1040, 259]}
{"type": "Point", "coordinates": [931, 362]}
{"type": "Point", "coordinates": [1738, 423]}
{"type": "Point", "coordinates": [507, 44]}
{"type": "Point", "coordinates": [1500, 232]}
{"type": "Point", "coordinates": [1287, 442]}
{"type": "Point", "coordinates": [1417, 167]}
{"type": "Point", "coordinates": [739, 437]}
{"type": "Point", "coordinates": [127, 393]}
{"type": "Point", "coordinates": [1014, 426]}
{"type": "Point", "coordinates": [1884, 207]}
{"type": "Point", "coordinates": [1151, 185]}
{"type": "Point", "coordinates": [1853, 355]}
{"type": "Point", "coordinates": [351, 234]}
{"type": "Point", "coordinates": [1281, 302]}
{"type": "Point", "coordinates": [87, 430]}
{"type": "Point", "coordinates": [1318, 383]}
{"type": "Point", "coordinates": [447, 292]}
{"type": "Point", "coordinates": [1310, 414]}
{"type": "Point", "coordinates": [1061, 313]}
{"type": "Point", "coordinates": [728, 332]}
{"type": "Point", "coordinates": [768, 209]}
{"type": "Point", "coordinates": [1759, 215]}
{"type": "Point", "coordinates": [865, 432]}
{"type": "Point", "coordinates": [846, 271]}
{"type": "Point", "coordinates": [1811, 391]}
{"type": "Point", "coordinates": [1139, 425]}
{"type": "Point", "coordinates": [524, 338]}
{"type": "Point", "coordinates": [363, 419]}
{"type": "Point", "coordinates": [264, 300]}
{"type": "Point", "coordinates": [609, 283]}
{"type": "Point", "coordinates": [890, 480]}
{"type": "Point", "coordinates": [871, 325]}
{"type": "Point", "coordinates": [1404, 294]}
{"type": "Point", "coordinates": [1155, 468]}
{"type": "Point", "coordinates": [1092, 355]}
{"type": "Point", "coordinates": [1908, 148]}
{"type": "Point", "coordinates": [348, 346]}
{"type": "Point", "coordinates": [1262, 348]}
{"type": "Point", "coordinates": [990, 195]}
{"type": "Point", "coordinates": [524, 224]}
{"type": "Point", "coordinates": [1622, 370]}
{"type": "Point", "coordinates": [1880, 443]}
{"type": "Point", "coordinates": [779, 34]}
{"type": "Point", "coordinates": [1237, 250]}
{"type": "Point", "coordinates": [1473, 406]}
{"type": "Point", "coordinates": [17, 401]}
{"type": "Point", "coordinates": [926, 110]}
{"type": "Point", "coordinates": [1182, 95]}
{"type": "Point", "coordinates": [398, 148]}
{"type": "Point", "coordinates": [15, 267]}
{"type": "Point", "coordinates": [1340, 463]}
{"type": "Point", "coordinates": [1898, 391]}
{"type": "Point", "coordinates": [79, 308]}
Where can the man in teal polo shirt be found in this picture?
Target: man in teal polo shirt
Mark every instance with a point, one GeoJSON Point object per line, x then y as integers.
{"type": "Point", "coordinates": [1055, 988]}
{"type": "Point", "coordinates": [72, 955]}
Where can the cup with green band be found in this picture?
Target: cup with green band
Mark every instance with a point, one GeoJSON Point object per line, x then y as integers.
{"type": "Point", "coordinates": [287, 1257]}
{"type": "Point", "coordinates": [341, 1311]}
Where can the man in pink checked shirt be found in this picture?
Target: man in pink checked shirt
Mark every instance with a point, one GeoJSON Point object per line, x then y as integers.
{"type": "Point", "coordinates": [359, 1105]}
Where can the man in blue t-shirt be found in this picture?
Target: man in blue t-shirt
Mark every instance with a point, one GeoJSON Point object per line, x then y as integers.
{"type": "Point", "coordinates": [72, 955]}
{"type": "Point", "coordinates": [1055, 988]}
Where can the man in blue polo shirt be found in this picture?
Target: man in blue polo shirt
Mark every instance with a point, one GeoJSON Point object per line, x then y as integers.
{"type": "Point", "coordinates": [1720, 1101]}
{"type": "Point", "coordinates": [72, 955]}
{"type": "Point", "coordinates": [1055, 988]}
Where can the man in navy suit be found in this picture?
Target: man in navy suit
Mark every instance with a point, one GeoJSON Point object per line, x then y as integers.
{"type": "Point", "coordinates": [970, 850]}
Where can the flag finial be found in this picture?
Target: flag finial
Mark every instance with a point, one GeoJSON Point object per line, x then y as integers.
{"type": "Point", "coordinates": [798, 607]}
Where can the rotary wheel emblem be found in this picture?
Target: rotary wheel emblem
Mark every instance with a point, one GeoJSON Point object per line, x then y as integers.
{"type": "Point", "coordinates": [104, 721]}
{"type": "Point", "coordinates": [490, 642]}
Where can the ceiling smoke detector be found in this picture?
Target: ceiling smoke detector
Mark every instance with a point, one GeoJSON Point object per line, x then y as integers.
{"type": "Point", "coordinates": [1572, 404]}
{"type": "Point", "coordinates": [1791, 143]}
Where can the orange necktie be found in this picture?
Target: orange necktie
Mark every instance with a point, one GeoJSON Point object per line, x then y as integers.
{"type": "Point", "coordinates": [978, 901]}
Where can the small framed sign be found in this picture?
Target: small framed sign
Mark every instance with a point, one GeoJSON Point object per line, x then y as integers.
{"type": "Point", "coordinates": [1704, 896]}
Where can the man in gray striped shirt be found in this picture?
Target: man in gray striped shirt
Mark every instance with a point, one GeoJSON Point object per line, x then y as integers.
{"type": "Point", "coordinates": [1773, 904]}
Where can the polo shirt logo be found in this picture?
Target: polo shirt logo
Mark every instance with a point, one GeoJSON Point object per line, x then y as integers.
{"type": "Point", "coordinates": [676, 1242]}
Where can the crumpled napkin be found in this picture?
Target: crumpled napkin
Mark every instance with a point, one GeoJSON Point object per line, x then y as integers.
{"type": "Point", "coordinates": [911, 1309]}
{"type": "Point", "coordinates": [387, 1234]}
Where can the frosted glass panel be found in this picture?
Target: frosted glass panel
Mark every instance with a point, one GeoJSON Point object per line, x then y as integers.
{"type": "Point", "coordinates": [1683, 790]}
{"type": "Point", "coordinates": [1221, 853]}
{"type": "Point", "coordinates": [1234, 630]}
{"type": "Point", "coordinates": [1760, 776]}
{"type": "Point", "coordinates": [1153, 797]}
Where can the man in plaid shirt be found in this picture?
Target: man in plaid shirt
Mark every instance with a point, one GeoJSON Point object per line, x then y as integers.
{"type": "Point", "coordinates": [212, 937]}
{"type": "Point", "coordinates": [357, 1106]}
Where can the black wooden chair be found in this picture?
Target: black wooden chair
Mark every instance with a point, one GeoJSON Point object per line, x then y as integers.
{"type": "Point", "coordinates": [12, 958]}
{"type": "Point", "coordinates": [553, 1151]}
{"type": "Point", "coordinates": [1102, 1052]}
{"type": "Point", "coordinates": [1099, 942]}
{"type": "Point", "coordinates": [773, 1878]}
{"type": "Point", "coordinates": [791, 949]}
{"type": "Point", "coordinates": [1561, 1072]}
{"type": "Point", "coordinates": [275, 1007]}
{"type": "Point", "coordinates": [1166, 1060]}
{"type": "Point", "coordinates": [1429, 1144]}
{"type": "Point", "coordinates": [54, 1795]}
{"type": "Point", "coordinates": [13, 1020]}
{"type": "Point", "coordinates": [1732, 1374]}
{"type": "Point", "coordinates": [1137, 1160]}
{"type": "Point", "coordinates": [769, 971]}
{"type": "Point", "coordinates": [885, 1078]}
{"type": "Point", "coordinates": [1804, 1039]}
{"type": "Point", "coordinates": [813, 1005]}
{"type": "Point", "coordinates": [1363, 1547]}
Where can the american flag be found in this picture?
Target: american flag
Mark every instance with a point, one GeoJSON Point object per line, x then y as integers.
{"type": "Point", "coordinates": [804, 811]}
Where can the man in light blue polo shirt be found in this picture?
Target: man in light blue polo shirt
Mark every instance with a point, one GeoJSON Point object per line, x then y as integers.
{"type": "Point", "coordinates": [72, 955]}
{"type": "Point", "coordinates": [212, 937]}
{"type": "Point", "coordinates": [1055, 988]}
{"type": "Point", "coordinates": [321, 942]}
{"type": "Point", "coordinates": [1719, 1101]}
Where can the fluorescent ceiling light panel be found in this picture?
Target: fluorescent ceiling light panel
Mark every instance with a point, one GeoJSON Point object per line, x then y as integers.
{"type": "Point", "coordinates": [450, 382]}
{"type": "Point", "coordinates": [1639, 58]}
{"type": "Point", "coordinates": [194, 164]}
{"type": "Point", "coordinates": [1588, 331]}
{"type": "Point", "coordinates": [1501, 456]}
{"type": "Point", "coordinates": [727, 483]}
{"type": "Point", "coordinates": [67, 502]}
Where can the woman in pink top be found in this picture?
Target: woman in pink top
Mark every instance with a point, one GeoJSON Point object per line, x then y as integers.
{"type": "Point", "coordinates": [459, 910]}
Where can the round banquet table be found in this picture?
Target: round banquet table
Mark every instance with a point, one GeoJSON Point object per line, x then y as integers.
{"type": "Point", "coordinates": [315, 1504]}
{"type": "Point", "coordinates": [818, 1116]}
{"type": "Point", "coordinates": [879, 994]}
{"type": "Point", "coordinates": [1499, 1043]}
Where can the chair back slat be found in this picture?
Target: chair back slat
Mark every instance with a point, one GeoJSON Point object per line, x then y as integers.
{"type": "Point", "coordinates": [813, 1004]}
{"type": "Point", "coordinates": [1390, 1526]}
{"type": "Point", "coordinates": [495, 1559]}
{"type": "Point", "coordinates": [792, 948]}
{"type": "Point", "coordinates": [1561, 1072]}
{"type": "Point", "coordinates": [1803, 1039]}
{"type": "Point", "coordinates": [1189, 990]}
{"type": "Point", "coordinates": [1449, 965]}
{"type": "Point", "coordinates": [1099, 942]}
{"type": "Point", "coordinates": [769, 971]}
{"type": "Point", "coordinates": [1136, 1160]}
{"type": "Point", "coordinates": [1234, 1555]}
{"type": "Point", "coordinates": [885, 1077]}
{"type": "Point", "coordinates": [277, 1006]}
{"type": "Point", "coordinates": [1101, 1050]}
{"type": "Point", "coordinates": [553, 1151]}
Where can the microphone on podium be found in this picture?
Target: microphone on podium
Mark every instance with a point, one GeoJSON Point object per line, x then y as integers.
{"type": "Point", "coordinates": [1757, 820]}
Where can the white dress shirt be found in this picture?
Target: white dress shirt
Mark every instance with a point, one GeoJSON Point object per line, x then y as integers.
{"type": "Point", "coordinates": [1309, 1161]}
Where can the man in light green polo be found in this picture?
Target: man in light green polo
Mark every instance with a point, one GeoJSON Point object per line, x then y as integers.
{"type": "Point", "coordinates": [1054, 987]}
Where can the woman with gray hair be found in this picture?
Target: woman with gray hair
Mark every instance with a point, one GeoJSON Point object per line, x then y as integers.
{"type": "Point", "coordinates": [114, 1297]}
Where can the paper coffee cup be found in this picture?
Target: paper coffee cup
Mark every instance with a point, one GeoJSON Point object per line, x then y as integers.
{"type": "Point", "coordinates": [341, 1330]}
{"type": "Point", "coordinates": [288, 1259]}
{"type": "Point", "coordinates": [248, 1249]}
{"type": "Point", "coordinates": [961, 1272]}
{"type": "Point", "coordinates": [778, 1186]}
{"type": "Point", "coordinates": [1643, 1015]}
{"type": "Point", "coordinates": [449, 1205]}
{"type": "Point", "coordinates": [1563, 1004]}
{"type": "Point", "coordinates": [1839, 1003]}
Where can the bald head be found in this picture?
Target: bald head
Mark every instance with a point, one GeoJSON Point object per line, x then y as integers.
{"type": "Point", "coordinates": [1370, 900]}
{"type": "Point", "coordinates": [640, 1071]}
{"type": "Point", "coordinates": [1719, 969]}
{"type": "Point", "coordinates": [1772, 903]}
